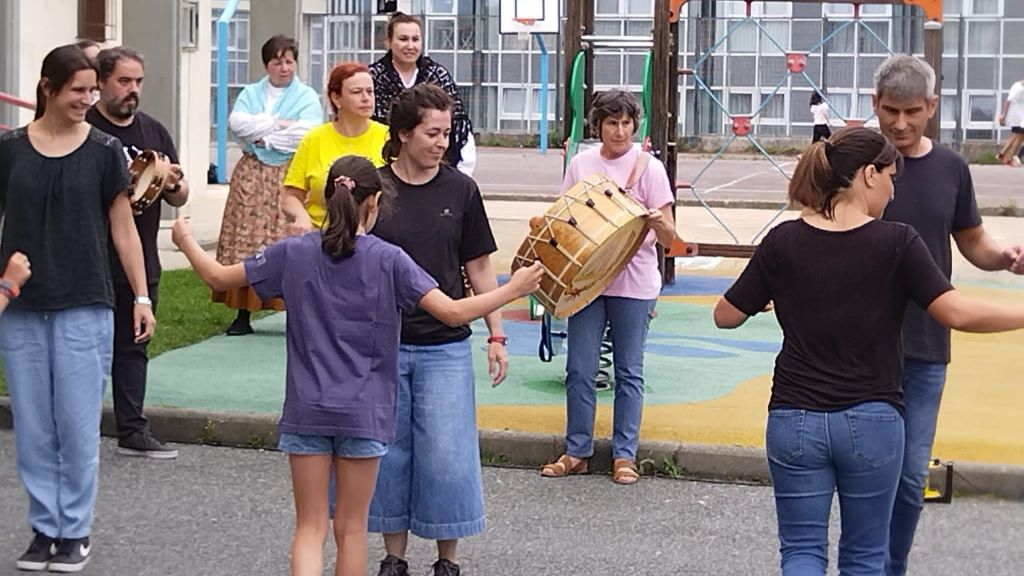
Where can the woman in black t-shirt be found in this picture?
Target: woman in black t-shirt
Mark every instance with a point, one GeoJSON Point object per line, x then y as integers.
{"type": "Point", "coordinates": [840, 280]}
{"type": "Point", "coordinates": [63, 193]}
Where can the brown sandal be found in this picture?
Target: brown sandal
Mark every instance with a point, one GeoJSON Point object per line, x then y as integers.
{"type": "Point", "coordinates": [624, 472]}
{"type": "Point", "coordinates": [565, 466]}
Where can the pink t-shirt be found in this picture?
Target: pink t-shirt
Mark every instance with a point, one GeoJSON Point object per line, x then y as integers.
{"type": "Point", "coordinates": [640, 278]}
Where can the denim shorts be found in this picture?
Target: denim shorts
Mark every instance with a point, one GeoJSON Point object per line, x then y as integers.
{"type": "Point", "coordinates": [339, 446]}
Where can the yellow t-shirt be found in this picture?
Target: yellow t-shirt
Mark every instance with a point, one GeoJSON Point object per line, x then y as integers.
{"type": "Point", "coordinates": [318, 151]}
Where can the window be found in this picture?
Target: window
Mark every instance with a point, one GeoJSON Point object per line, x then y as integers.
{"type": "Point", "coordinates": [741, 104]}
{"type": "Point", "coordinates": [840, 103]}
{"type": "Point", "coordinates": [513, 102]}
{"type": "Point", "coordinates": [742, 36]}
{"type": "Point", "coordinates": [982, 108]}
{"type": "Point", "coordinates": [441, 34]}
{"type": "Point", "coordinates": [774, 106]}
{"type": "Point", "coordinates": [608, 7]}
{"type": "Point", "coordinates": [949, 108]}
{"type": "Point", "coordinates": [985, 8]}
{"type": "Point", "coordinates": [237, 58]}
{"type": "Point", "coordinates": [982, 38]}
{"type": "Point", "coordinates": [875, 41]}
{"type": "Point", "coordinates": [92, 20]}
{"type": "Point", "coordinates": [442, 6]}
{"type": "Point", "coordinates": [317, 78]}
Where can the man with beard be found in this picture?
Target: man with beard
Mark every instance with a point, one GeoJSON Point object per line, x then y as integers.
{"type": "Point", "coordinates": [121, 73]}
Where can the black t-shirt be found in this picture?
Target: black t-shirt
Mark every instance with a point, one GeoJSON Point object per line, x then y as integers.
{"type": "Point", "coordinates": [935, 195]}
{"type": "Point", "coordinates": [56, 211]}
{"type": "Point", "coordinates": [144, 133]}
{"type": "Point", "coordinates": [839, 298]}
{"type": "Point", "coordinates": [441, 225]}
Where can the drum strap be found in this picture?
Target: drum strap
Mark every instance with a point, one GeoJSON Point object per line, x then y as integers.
{"type": "Point", "coordinates": [642, 160]}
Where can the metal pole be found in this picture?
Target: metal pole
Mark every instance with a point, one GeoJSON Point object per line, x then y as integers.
{"type": "Point", "coordinates": [961, 71]}
{"type": "Point", "coordinates": [543, 94]}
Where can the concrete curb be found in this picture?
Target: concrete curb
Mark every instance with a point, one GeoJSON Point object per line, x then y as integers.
{"type": "Point", "coordinates": [735, 204]}
{"type": "Point", "coordinates": [530, 450]}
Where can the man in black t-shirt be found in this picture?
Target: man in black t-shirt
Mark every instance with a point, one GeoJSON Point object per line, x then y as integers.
{"type": "Point", "coordinates": [934, 194]}
{"type": "Point", "coordinates": [121, 72]}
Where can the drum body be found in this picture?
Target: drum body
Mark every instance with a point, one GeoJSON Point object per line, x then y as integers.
{"type": "Point", "coordinates": [584, 240]}
{"type": "Point", "coordinates": [149, 171]}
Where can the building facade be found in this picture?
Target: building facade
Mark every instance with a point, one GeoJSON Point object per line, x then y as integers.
{"type": "Point", "coordinates": [499, 74]}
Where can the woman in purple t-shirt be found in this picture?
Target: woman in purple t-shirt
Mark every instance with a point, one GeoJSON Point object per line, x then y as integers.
{"type": "Point", "coordinates": [626, 304]}
{"type": "Point", "coordinates": [345, 293]}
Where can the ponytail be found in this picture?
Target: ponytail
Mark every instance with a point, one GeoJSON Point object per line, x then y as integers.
{"type": "Point", "coordinates": [339, 239]}
{"type": "Point", "coordinates": [40, 101]}
{"type": "Point", "coordinates": [829, 166]}
{"type": "Point", "coordinates": [350, 182]}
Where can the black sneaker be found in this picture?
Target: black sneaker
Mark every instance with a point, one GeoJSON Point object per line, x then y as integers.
{"type": "Point", "coordinates": [72, 556]}
{"type": "Point", "coordinates": [240, 326]}
{"type": "Point", "coordinates": [393, 566]}
{"type": "Point", "coordinates": [143, 444]}
{"type": "Point", "coordinates": [38, 555]}
{"type": "Point", "coordinates": [445, 568]}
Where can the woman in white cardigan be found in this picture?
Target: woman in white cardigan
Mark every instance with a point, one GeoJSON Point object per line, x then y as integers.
{"type": "Point", "coordinates": [270, 118]}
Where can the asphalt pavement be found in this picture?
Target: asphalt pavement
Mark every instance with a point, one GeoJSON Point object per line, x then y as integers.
{"type": "Point", "coordinates": [220, 511]}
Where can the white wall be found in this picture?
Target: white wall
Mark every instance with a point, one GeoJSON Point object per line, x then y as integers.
{"type": "Point", "coordinates": [42, 26]}
{"type": "Point", "coordinates": [193, 136]}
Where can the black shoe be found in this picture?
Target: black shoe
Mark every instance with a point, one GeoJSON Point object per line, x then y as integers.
{"type": "Point", "coordinates": [445, 568]}
{"type": "Point", "coordinates": [72, 556]}
{"type": "Point", "coordinates": [241, 325]}
{"type": "Point", "coordinates": [393, 566]}
{"type": "Point", "coordinates": [38, 555]}
{"type": "Point", "coordinates": [143, 444]}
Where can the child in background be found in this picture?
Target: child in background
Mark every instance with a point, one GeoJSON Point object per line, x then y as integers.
{"type": "Point", "coordinates": [819, 109]}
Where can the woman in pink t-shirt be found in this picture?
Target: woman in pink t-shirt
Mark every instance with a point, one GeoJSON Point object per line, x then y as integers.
{"type": "Point", "coordinates": [626, 304]}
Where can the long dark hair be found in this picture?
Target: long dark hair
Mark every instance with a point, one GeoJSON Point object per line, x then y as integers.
{"type": "Point", "coordinates": [351, 180]}
{"type": "Point", "coordinates": [59, 67]}
{"type": "Point", "coordinates": [407, 113]}
{"type": "Point", "coordinates": [830, 165]}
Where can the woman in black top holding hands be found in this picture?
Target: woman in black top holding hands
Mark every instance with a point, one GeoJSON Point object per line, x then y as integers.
{"type": "Point", "coordinates": [840, 279]}
{"type": "Point", "coordinates": [63, 192]}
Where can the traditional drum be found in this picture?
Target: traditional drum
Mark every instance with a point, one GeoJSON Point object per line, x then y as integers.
{"type": "Point", "coordinates": [583, 241]}
{"type": "Point", "coordinates": [149, 171]}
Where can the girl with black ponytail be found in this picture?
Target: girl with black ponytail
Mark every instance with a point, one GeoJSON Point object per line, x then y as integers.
{"type": "Point", "coordinates": [345, 293]}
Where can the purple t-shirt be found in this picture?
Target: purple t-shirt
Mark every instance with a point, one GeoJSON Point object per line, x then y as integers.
{"type": "Point", "coordinates": [343, 327]}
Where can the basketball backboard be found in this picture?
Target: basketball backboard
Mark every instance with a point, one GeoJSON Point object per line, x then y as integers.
{"type": "Point", "coordinates": [528, 17]}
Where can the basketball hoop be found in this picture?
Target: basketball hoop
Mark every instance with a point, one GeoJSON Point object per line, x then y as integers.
{"type": "Point", "coordinates": [527, 23]}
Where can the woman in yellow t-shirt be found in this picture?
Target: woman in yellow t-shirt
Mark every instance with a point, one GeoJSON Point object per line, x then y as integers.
{"type": "Point", "coordinates": [351, 132]}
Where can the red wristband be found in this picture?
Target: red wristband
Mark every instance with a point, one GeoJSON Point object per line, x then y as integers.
{"type": "Point", "coordinates": [9, 289]}
{"type": "Point", "coordinates": [503, 340]}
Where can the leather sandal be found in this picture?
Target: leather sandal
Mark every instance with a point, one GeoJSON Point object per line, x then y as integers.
{"type": "Point", "coordinates": [565, 466]}
{"type": "Point", "coordinates": [624, 472]}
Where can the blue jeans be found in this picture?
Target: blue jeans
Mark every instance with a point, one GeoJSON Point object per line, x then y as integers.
{"type": "Point", "coordinates": [629, 319]}
{"type": "Point", "coordinates": [430, 482]}
{"type": "Point", "coordinates": [57, 364]}
{"type": "Point", "coordinates": [922, 394]}
{"type": "Point", "coordinates": [857, 452]}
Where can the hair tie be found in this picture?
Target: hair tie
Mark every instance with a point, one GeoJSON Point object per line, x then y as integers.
{"type": "Point", "coordinates": [346, 182]}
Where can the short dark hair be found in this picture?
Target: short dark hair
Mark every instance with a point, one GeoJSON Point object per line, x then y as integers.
{"type": "Point", "coordinates": [402, 18]}
{"type": "Point", "coordinates": [86, 43]}
{"type": "Point", "coordinates": [613, 104]}
{"type": "Point", "coordinates": [107, 60]}
{"type": "Point", "coordinates": [277, 46]}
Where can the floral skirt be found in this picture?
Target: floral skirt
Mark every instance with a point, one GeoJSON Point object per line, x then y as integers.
{"type": "Point", "coordinates": [252, 220]}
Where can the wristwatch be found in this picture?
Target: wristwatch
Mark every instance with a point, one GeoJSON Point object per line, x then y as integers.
{"type": "Point", "coordinates": [143, 301]}
{"type": "Point", "coordinates": [503, 340]}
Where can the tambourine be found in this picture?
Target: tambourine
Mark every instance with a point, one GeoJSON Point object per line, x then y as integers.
{"type": "Point", "coordinates": [149, 172]}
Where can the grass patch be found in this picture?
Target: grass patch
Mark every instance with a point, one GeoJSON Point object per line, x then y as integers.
{"type": "Point", "coordinates": [185, 315]}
